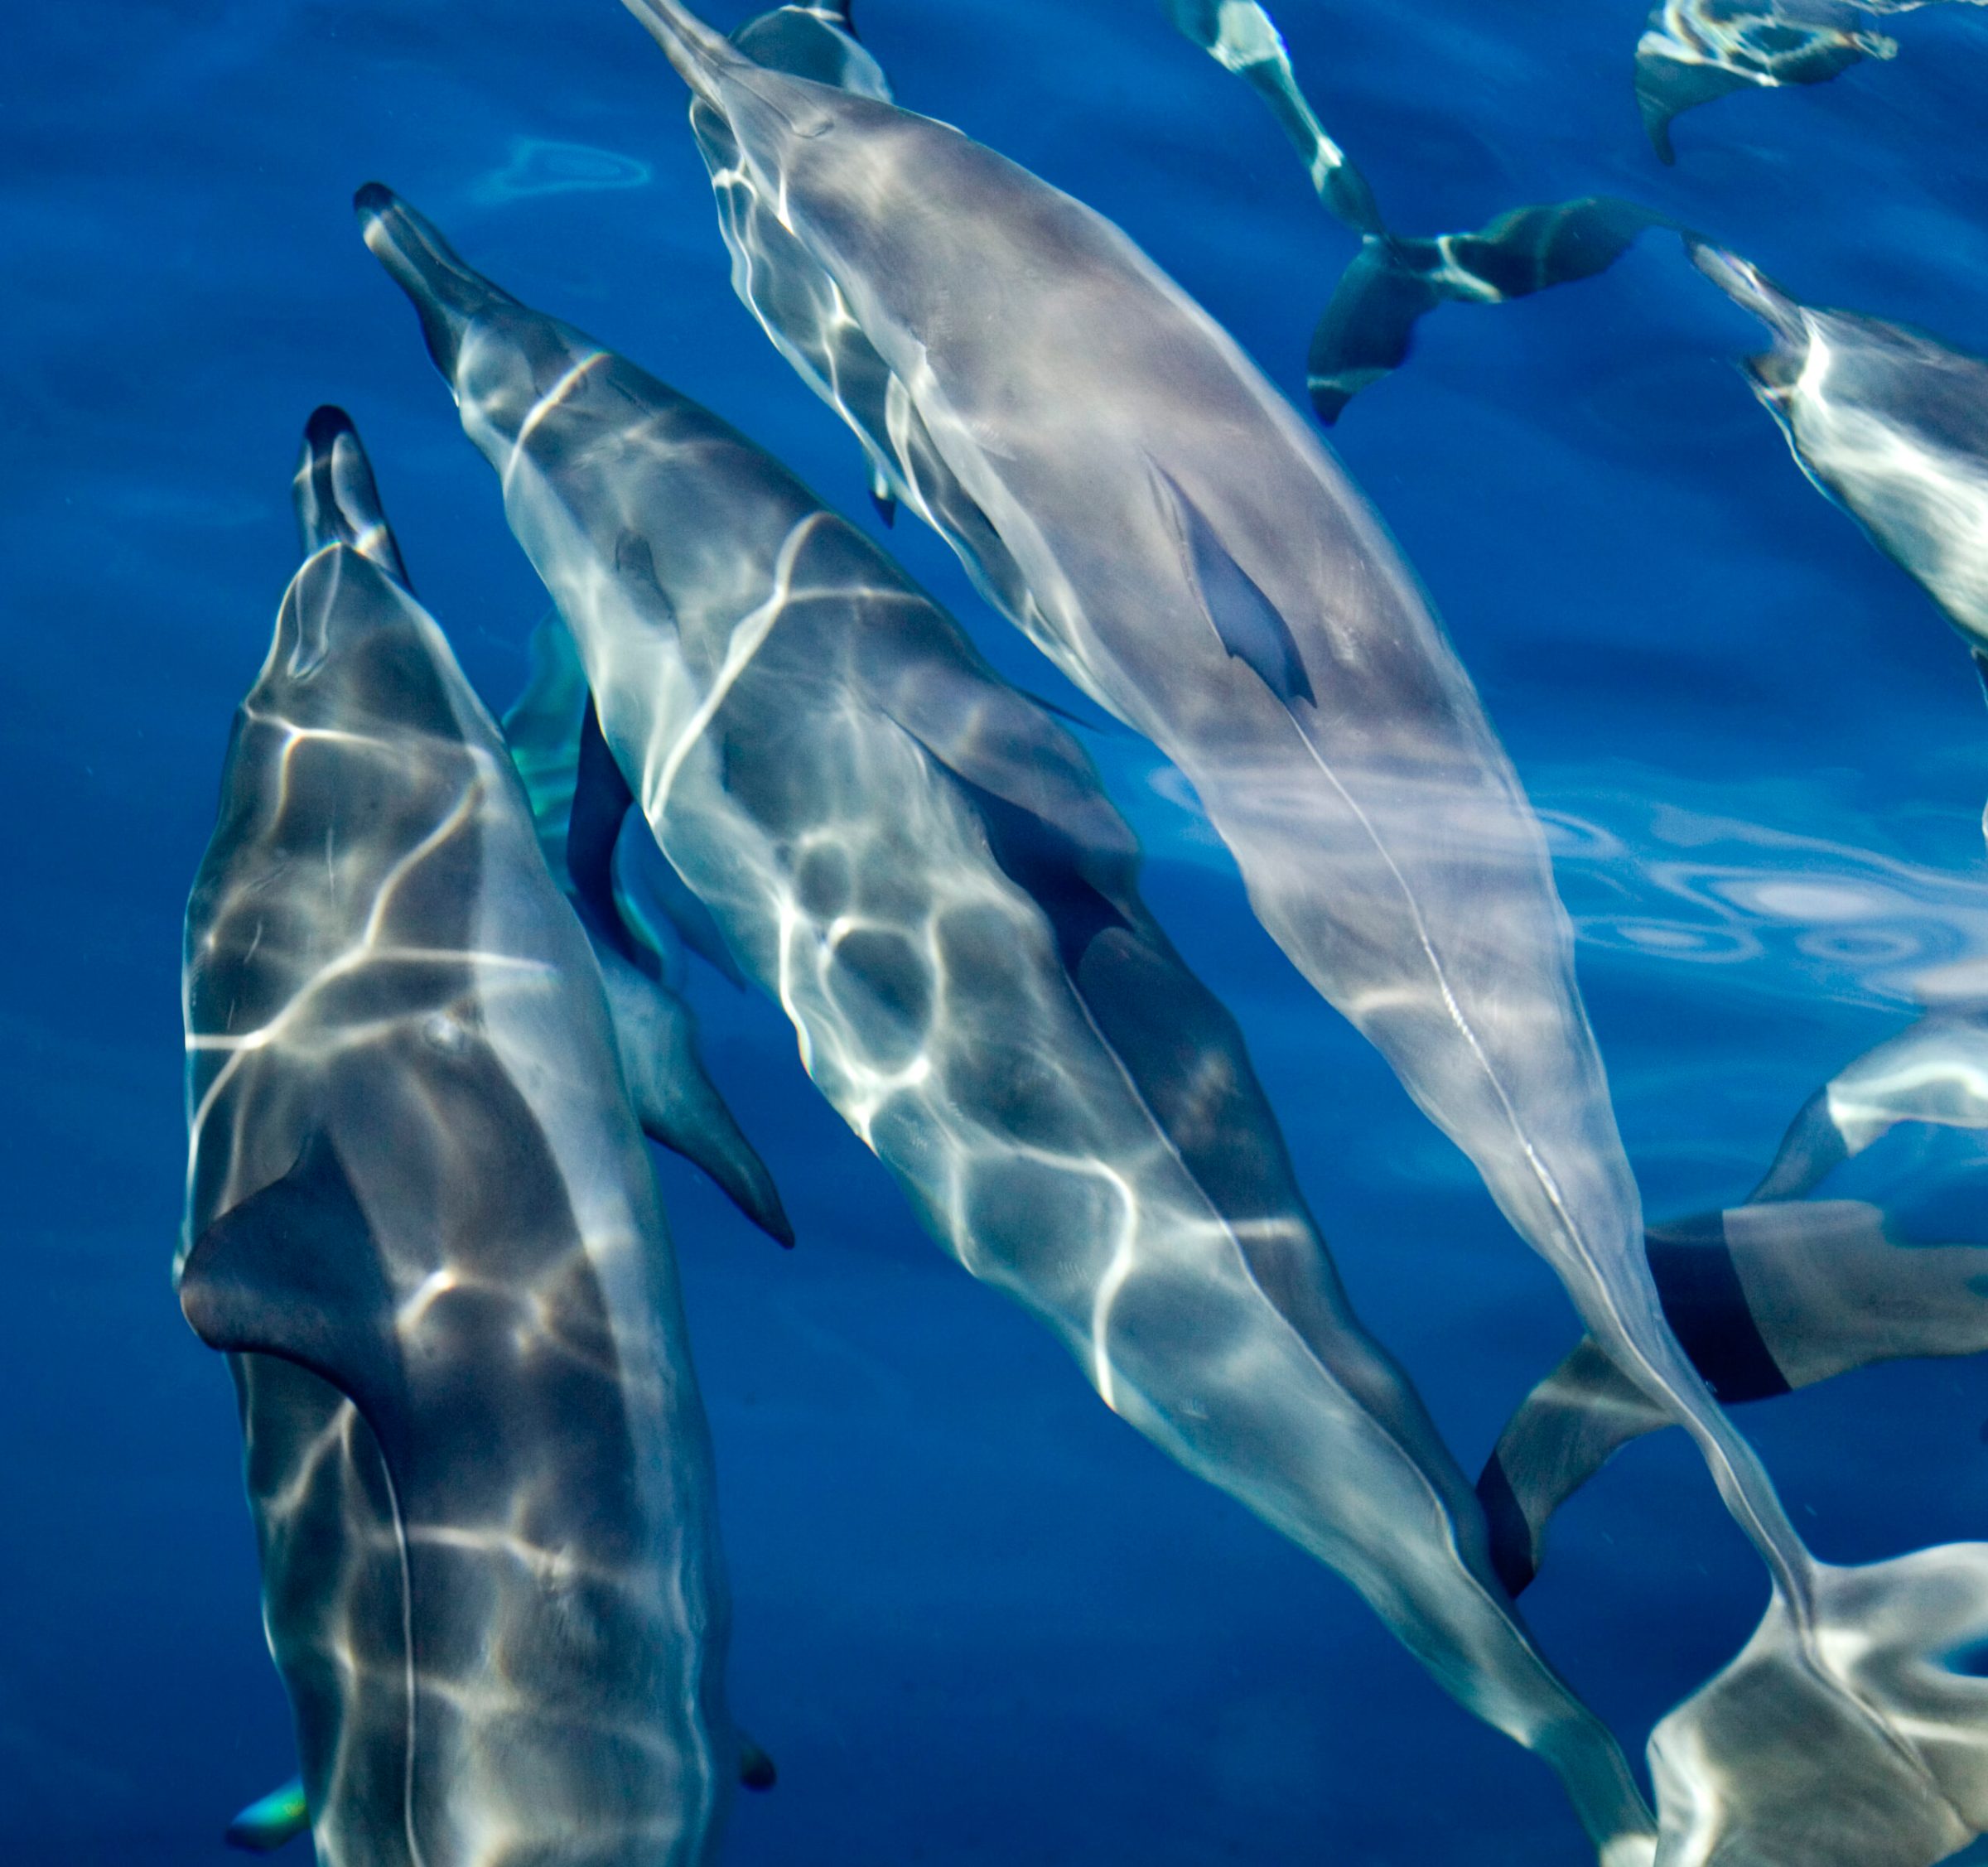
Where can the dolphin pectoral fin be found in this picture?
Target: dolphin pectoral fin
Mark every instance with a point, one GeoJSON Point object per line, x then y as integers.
{"type": "Point", "coordinates": [675, 1102]}
{"type": "Point", "coordinates": [1366, 328]}
{"type": "Point", "coordinates": [271, 1821]}
{"type": "Point", "coordinates": [658, 905]}
{"type": "Point", "coordinates": [881, 497]}
{"type": "Point", "coordinates": [1811, 1150]}
{"type": "Point", "coordinates": [293, 1271]}
{"type": "Point", "coordinates": [756, 1768]}
{"type": "Point", "coordinates": [1667, 87]}
{"type": "Point", "coordinates": [1245, 621]}
{"type": "Point", "coordinates": [1981, 668]}
{"type": "Point", "coordinates": [1564, 1432]}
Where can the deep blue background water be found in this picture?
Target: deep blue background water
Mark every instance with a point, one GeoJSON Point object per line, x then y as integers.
{"type": "Point", "coordinates": [978, 1619]}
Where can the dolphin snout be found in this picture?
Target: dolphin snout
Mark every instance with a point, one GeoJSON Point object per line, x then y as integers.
{"type": "Point", "coordinates": [337, 500]}
{"type": "Point", "coordinates": [1746, 285]}
{"type": "Point", "coordinates": [446, 293]}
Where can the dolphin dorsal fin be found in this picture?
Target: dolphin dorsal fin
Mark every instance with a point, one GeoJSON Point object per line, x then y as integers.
{"type": "Point", "coordinates": [295, 1271]}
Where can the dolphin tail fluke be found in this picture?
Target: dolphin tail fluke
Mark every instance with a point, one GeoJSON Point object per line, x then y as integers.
{"type": "Point", "coordinates": [448, 293]}
{"type": "Point", "coordinates": [271, 1821]}
{"type": "Point", "coordinates": [336, 500]}
{"type": "Point", "coordinates": [1367, 328]}
{"type": "Point", "coordinates": [1811, 1150]}
{"type": "Point", "coordinates": [1564, 1432]}
{"type": "Point", "coordinates": [1853, 1729]}
{"type": "Point", "coordinates": [698, 53]}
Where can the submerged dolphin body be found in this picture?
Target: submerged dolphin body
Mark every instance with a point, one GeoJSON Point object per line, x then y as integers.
{"type": "Point", "coordinates": [1766, 1298]}
{"type": "Point", "coordinates": [921, 864]}
{"type": "Point", "coordinates": [1396, 278]}
{"type": "Point", "coordinates": [421, 1220]}
{"type": "Point", "coordinates": [1693, 51]}
{"type": "Point", "coordinates": [1121, 480]}
{"type": "Point", "coordinates": [583, 811]}
{"type": "Point", "coordinates": [1887, 422]}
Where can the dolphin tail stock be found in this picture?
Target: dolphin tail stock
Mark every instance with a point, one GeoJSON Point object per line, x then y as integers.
{"type": "Point", "coordinates": [448, 293]}
{"type": "Point", "coordinates": [1564, 1432]}
{"type": "Point", "coordinates": [337, 498]}
{"type": "Point", "coordinates": [1243, 38]}
{"type": "Point", "coordinates": [698, 53]}
{"type": "Point", "coordinates": [271, 1821]}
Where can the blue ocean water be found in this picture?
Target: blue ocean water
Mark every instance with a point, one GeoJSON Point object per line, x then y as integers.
{"type": "Point", "coordinates": [977, 1618]}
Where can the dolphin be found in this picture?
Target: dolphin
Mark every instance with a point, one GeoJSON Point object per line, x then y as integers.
{"type": "Point", "coordinates": [1694, 52]}
{"type": "Point", "coordinates": [1395, 279]}
{"type": "Point", "coordinates": [1124, 484]}
{"type": "Point", "coordinates": [1887, 423]}
{"type": "Point", "coordinates": [581, 809]}
{"type": "Point", "coordinates": [1766, 1298]}
{"type": "Point", "coordinates": [1936, 1071]}
{"type": "Point", "coordinates": [920, 864]}
{"type": "Point", "coordinates": [421, 1222]}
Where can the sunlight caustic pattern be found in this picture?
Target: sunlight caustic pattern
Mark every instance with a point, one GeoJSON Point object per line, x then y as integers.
{"type": "Point", "coordinates": [1120, 478]}
{"type": "Point", "coordinates": [920, 864]}
{"type": "Point", "coordinates": [421, 1220]}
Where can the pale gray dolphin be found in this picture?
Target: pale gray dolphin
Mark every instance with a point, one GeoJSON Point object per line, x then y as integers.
{"type": "Point", "coordinates": [421, 1220]}
{"type": "Point", "coordinates": [1693, 51]}
{"type": "Point", "coordinates": [1395, 278]}
{"type": "Point", "coordinates": [1121, 479]}
{"type": "Point", "coordinates": [921, 864]}
{"type": "Point", "coordinates": [583, 811]}
{"type": "Point", "coordinates": [1887, 423]}
{"type": "Point", "coordinates": [1935, 1072]}
{"type": "Point", "coordinates": [1765, 1298]}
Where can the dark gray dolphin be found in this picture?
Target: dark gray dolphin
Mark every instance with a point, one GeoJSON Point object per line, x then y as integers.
{"type": "Point", "coordinates": [1121, 479]}
{"type": "Point", "coordinates": [421, 1220]}
{"type": "Point", "coordinates": [1395, 279]}
{"type": "Point", "coordinates": [1694, 52]}
{"type": "Point", "coordinates": [1887, 423]}
{"type": "Point", "coordinates": [592, 839]}
{"type": "Point", "coordinates": [920, 864]}
{"type": "Point", "coordinates": [1766, 1298]}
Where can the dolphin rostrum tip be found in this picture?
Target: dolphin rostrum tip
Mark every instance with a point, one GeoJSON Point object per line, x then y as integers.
{"type": "Point", "coordinates": [1742, 282]}
{"type": "Point", "coordinates": [691, 45]}
{"type": "Point", "coordinates": [336, 499]}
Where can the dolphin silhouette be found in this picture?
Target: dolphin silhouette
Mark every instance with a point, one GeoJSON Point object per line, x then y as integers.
{"type": "Point", "coordinates": [601, 852]}
{"type": "Point", "coordinates": [920, 864]}
{"type": "Point", "coordinates": [1121, 480]}
{"type": "Point", "coordinates": [1888, 423]}
{"type": "Point", "coordinates": [421, 1222]}
{"type": "Point", "coordinates": [1395, 279]}
{"type": "Point", "coordinates": [1694, 51]}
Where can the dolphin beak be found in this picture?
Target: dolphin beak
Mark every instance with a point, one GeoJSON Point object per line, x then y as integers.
{"type": "Point", "coordinates": [698, 53]}
{"type": "Point", "coordinates": [446, 293]}
{"type": "Point", "coordinates": [1747, 285]}
{"type": "Point", "coordinates": [337, 501]}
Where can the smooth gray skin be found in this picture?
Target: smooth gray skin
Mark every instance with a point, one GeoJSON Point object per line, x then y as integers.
{"type": "Point", "coordinates": [1767, 1298]}
{"type": "Point", "coordinates": [423, 1222]}
{"type": "Point", "coordinates": [1395, 279]}
{"type": "Point", "coordinates": [582, 815]}
{"type": "Point", "coordinates": [1121, 480]}
{"type": "Point", "coordinates": [1890, 424]}
{"type": "Point", "coordinates": [921, 865]}
{"type": "Point", "coordinates": [1935, 1072]}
